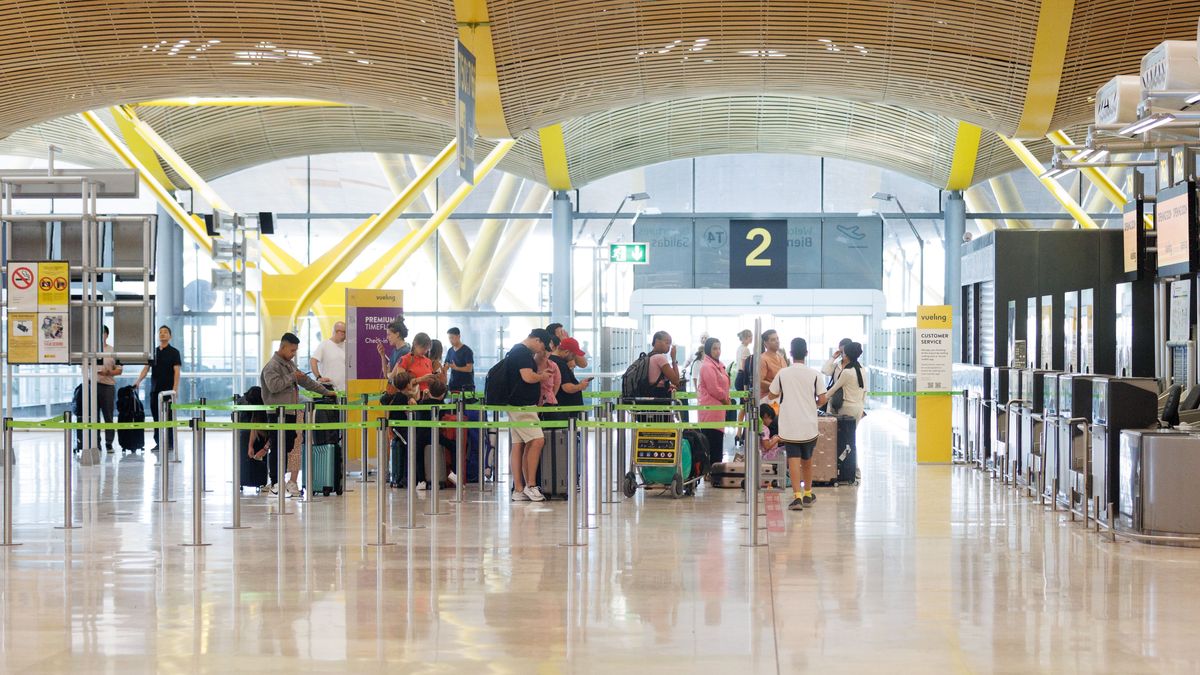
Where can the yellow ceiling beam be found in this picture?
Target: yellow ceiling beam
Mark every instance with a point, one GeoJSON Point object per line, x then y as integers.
{"type": "Point", "coordinates": [357, 244]}
{"type": "Point", "coordinates": [554, 157]}
{"type": "Point", "coordinates": [1097, 177]}
{"type": "Point", "coordinates": [394, 260]}
{"type": "Point", "coordinates": [142, 151]}
{"type": "Point", "coordinates": [1045, 68]}
{"type": "Point", "coordinates": [966, 151]}
{"type": "Point", "coordinates": [191, 224]}
{"type": "Point", "coordinates": [475, 32]}
{"type": "Point", "coordinates": [1062, 196]}
{"type": "Point", "coordinates": [237, 102]}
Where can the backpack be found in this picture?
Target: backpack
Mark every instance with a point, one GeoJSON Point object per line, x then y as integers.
{"type": "Point", "coordinates": [636, 380]}
{"type": "Point", "coordinates": [497, 390]}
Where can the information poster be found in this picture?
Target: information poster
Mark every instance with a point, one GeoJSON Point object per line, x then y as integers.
{"type": "Point", "coordinates": [934, 367]}
{"type": "Point", "coordinates": [934, 348]}
{"type": "Point", "coordinates": [39, 296]}
{"type": "Point", "coordinates": [368, 315]}
{"type": "Point", "coordinates": [1133, 239]}
{"type": "Point", "coordinates": [655, 447]}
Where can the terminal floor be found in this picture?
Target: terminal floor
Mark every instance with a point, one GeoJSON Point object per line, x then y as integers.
{"type": "Point", "coordinates": [918, 570]}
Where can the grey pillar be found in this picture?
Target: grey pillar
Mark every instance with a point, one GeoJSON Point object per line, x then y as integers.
{"type": "Point", "coordinates": [955, 228]}
{"type": "Point", "coordinates": [169, 273]}
{"type": "Point", "coordinates": [562, 305]}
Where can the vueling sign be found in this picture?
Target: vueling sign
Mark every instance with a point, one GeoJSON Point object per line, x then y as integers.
{"type": "Point", "coordinates": [933, 316]}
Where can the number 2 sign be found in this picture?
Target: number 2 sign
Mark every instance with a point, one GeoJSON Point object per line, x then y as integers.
{"type": "Point", "coordinates": [758, 254]}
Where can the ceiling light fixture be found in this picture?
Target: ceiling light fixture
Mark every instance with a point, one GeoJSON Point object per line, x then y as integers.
{"type": "Point", "coordinates": [1146, 124]}
{"type": "Point", "coordinates": [1054, 173]}
{"type": "Point", "coordinates": [1096, 157]}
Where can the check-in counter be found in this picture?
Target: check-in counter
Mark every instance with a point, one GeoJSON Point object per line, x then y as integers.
{"type": "Point", "coordinates": [1049, 464]}
{"type": "Point", "coordinates": [1033, 386]}
{"type": "Point", "coordinates": [1118, 403]}
{"type": "Point", "coordinates": [1006, 385]}
{"type": "Point", "coordinates": [1156, 486]}
{"type": "Point", "coordinates": [1074, 418]}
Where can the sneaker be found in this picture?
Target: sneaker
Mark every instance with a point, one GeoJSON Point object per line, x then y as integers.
{"type": "Point", "coordinates": [452, 478]}
{"type": "Point", "coordinates": [264, 489]}
{"type": "Point", "coordinates": [796, 505]}
{"type": "Point", "coordinates": [519, 496]}
{"type": "Point", "coordinates": [110, 449]}
{"type": "Point", "coordinates": [809, 499]}
{"type": "Point", "coordinates": [293, 490]}
{"type": "Point", "coordinates": [422, 485]}
{"type": "Point", "coordinates": [275, 489]}
{"type": "Point", "coordinates": [534, 493]}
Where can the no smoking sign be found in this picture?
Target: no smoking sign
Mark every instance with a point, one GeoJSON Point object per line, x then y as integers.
{"type": "Point", "coordinates": [22, 278]}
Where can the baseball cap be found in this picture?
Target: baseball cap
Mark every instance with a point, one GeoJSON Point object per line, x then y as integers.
{"type": "Point", "coordinates": [572, 345]}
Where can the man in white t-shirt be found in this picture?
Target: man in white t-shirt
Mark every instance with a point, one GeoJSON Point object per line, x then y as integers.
{"type": "Point", "coordinates": [328, 361]}
{"type": "Point", "coordinates": [800, 391]}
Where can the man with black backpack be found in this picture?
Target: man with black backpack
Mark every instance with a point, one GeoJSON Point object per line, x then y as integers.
{"type": "Point", "coordinates": [516, 381]}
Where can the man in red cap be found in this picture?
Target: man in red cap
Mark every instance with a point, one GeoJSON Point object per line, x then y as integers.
{"type": "Point", "coordinates": [567, 354]}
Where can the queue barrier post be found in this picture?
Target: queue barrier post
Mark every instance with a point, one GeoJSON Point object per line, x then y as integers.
{"type": "Point", "coordinates": [366, 467]}
{"type": "Point", "coordinates": [585, 478]}
{"type": "Point", "coordinates": [281, 453]}
{"type": "Point", "coordinates": [164, 451]}
{"type": "Point", "coordinates": [203, 452]}
{"type": "Point", "coordinates": [753, 456]}
{"type": "Point", "coordinates": [460, 441]}
{"type": "Point", "coordinates": [410, 481]}
{"type": "Point", "coordinates": [309, 418]}
{"type": "Point", "coordinates": [433, 467]}
{"type": "Point", "coordinates": [610, 462]}
{"type": "Point", "coordinates": [382, 444]}
{"type": "Point", "coordinates": [68, 469]}
{"type": "Point", "coordinates": [173, 432]}
{"type": "Point", "coordinates": [197, 427]}
{"type": "Point", "coordinates": [236, 519]}
{"type": "Point", "coordinates": [572, 495]}
{"type": "Point", "coordinates": [344, 417]}
{"type": "Point", "coordinates": [10, 462]}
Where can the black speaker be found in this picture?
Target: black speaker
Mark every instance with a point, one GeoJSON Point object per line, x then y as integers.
{"type": "Point", "coordinates": [266, 222]}
{"type": "Point", "coordinates": [210, 225]}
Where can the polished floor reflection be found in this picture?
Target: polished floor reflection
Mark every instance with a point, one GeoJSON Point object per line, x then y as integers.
{"type": "Point", "coordinates": [929, 570]}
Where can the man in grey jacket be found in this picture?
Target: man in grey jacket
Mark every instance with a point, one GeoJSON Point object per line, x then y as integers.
{"type": "Point", "coordinates": [281, 381]}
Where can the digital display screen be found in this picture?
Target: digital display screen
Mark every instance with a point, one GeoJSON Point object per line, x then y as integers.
{"type": "Point", "coordinates": [1174, 216]}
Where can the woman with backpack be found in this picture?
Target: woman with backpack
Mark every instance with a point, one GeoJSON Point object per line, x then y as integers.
{"type": "Point", "coordinates": [848, 393]}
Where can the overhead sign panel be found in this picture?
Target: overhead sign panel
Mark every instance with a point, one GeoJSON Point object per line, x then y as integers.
{"type": "Point", "coordinates": [1175, 221]}
{"type": "Point", "coordinates": [464, 80]}
{"type": "Point", "coordinates": [634, 253]}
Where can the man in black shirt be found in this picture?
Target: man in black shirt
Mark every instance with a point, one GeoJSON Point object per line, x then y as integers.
{"type": "Point", "coordinates": [164, 374]}
{"type": "Point", "coordinates": [460, 361]}
{"type": "Point", "coordinates": [526, 383]}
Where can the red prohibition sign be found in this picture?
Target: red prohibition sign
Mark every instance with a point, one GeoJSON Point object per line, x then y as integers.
{"type": "Point", "coordinates": [22, 277]}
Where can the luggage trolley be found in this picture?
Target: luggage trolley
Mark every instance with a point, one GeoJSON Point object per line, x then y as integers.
{"type": "Point", "coordinates": [662, 458]}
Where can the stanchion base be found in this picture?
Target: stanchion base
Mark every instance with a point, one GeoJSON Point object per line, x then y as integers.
{"type": "Point", "coordinates": [164, 501]}
{"type": "Point", "coordinates": [195, 545]}
{"type": "Point", "coordinates": [237, 527]}
{"type": "Point", "coordinates": [280, 513]}
{"type": "Point", "coordinates": [12, 545]}
{"type": "Point", "coordinates": [405, 527]}
{"type": "Point", "coordinates": [386, 543]}
{"type": "Point", "coordinates": [582, 543]}
{"type": "Point", "coordinates": [754, 545]}
{"type": "Point", "coordinates": [68, 527]}
{"type": "Point", "coordinates": [439, 513]}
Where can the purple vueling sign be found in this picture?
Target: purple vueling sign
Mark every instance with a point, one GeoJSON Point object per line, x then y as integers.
{"type": "Point", "coordinates": [368, 314]}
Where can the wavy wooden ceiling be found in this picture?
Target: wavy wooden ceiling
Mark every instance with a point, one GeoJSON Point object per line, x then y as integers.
{"type": "Point", "coordinates": [889, 77]}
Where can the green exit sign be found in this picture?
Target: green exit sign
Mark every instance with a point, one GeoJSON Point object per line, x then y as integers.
{"type": "Point", "coordinates": [637, 253]}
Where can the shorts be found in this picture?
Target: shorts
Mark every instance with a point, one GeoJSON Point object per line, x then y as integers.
{"type": "Point", "coordinates": [801, 450]}
{"type": "Point", "coordinates": [524, 434]}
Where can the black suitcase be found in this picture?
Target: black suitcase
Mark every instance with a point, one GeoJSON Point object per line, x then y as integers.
{"type": "Point", "coordinates": [552, 467]}
{"type": "Point", "coordinates": [254, 472]}
{"type": "Point", "coordinates": [847, 450]}
{"type": "Point", "coordinates": [77, 414]}
{"type": "Point", "coordinates": [129, 409]}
